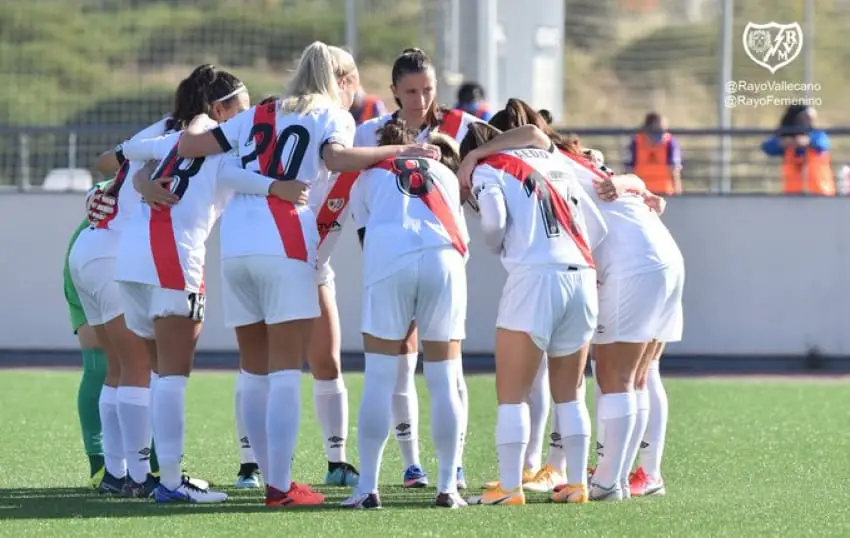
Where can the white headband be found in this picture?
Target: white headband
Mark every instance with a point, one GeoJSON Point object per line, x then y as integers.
{"type": "Point", "coordinates": [241, 88]}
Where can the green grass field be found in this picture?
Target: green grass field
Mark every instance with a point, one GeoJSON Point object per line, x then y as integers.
{"type": "Point", "coordinates": [744, 458]}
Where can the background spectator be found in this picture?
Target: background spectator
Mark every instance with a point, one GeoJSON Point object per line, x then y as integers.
{"type": "Point", "coordinates": [656, 157]}
{"type": "Point", "coordinates": [807, 167]}
{"type": "Point", "coordinates": [365, 107]}
{"type": "Point", "coordinates": [471, 99]}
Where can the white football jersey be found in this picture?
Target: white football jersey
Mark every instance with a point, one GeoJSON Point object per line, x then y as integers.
{"type": "Point", "coordinates": [331, 204]}
{"type": "Point", "coordinates": [166, 247]}
{"type": "Point", "coordinates": [283, 146]}
{"type": "Point", "coordinates": [406, 206]}
{"type": "Point", "coordinates": [637, 240]}
{"type": "Point", "coordinates": [101, 240]}
{"type": "Point", "coordinates": [550, 220]}
{"type": "Point", "coordinates": [455, 123]}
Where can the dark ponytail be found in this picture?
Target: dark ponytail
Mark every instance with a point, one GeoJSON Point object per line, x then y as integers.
{"type": "Point", "coordinates": [196, 94]}
{"type": "Point", "coordinates": [395, 132]}
{"type": "Point", "coordinates": [415, 62]}
{"type": "Point", "coordinates": [518, 113]}
{"type": "Point", "coordinates": [478, 134]}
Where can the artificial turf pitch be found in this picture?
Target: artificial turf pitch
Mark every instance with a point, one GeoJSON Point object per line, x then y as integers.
{"type": "Point", "coordinates": [744, 458]}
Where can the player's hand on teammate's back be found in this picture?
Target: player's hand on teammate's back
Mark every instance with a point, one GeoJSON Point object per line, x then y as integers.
{"type": "Point", "coordinates": [655, 202]}
{"type": "Point", "coordinates": [429, 151]}
{"type": "Point", "coordinates": [100, 205]}
{"type": "Point", "coordinates": [156, 193]}
{"type": "Point", "coordinates": [606, 189]}
{"type": "Point", "coordinates": [290, 191]}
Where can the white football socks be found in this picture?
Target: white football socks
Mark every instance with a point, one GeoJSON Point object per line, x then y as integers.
{"type": "Point", "coordinates": [134, 414]}
{"type": "Point", "coordinates": [331, 400]}
{"type": "Point", "coordinates": [446, 411]}
{"type": "Point", "coordinates": [538, 407]}
{"type": "Point", "coordinates": [246, 454]}
{"type": "Point", "coordinates": [169, 419]}
{"type": "Point", "coordinates": [375, 417]}
{"type": "Point", "coordinates": [254, 408]}
{"type": "Point", "coordinates": [652, 448]}
{"type": "Point", "coordinates": [405, 409]}
{"type": "Point", "coordinates": [113, 444]}
{"type": "Point", "coordinates": [283, 419]}
{"type": "Point", "coordinates": [512, 430]}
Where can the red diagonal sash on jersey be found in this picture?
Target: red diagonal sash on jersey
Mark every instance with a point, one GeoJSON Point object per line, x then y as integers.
{"type": "Point", "coordinates": [433, 200]}
{"type": "Point", "coordinates": [335, 203]}
{"type": "Point", "coordinates": [592, 167]}
{"type": "Point", "coordinates": [285, 213]}
{"type": "Point", "coordinates": [523, 171]}
{"type": "Point", "coordinates": [586, 163]}
{"type": "Point", "coordinates": [452, 122]}
{"type": "Point", "coordinates": [166, 258]}
{"type": "Point", "coordinates": [113, 191]}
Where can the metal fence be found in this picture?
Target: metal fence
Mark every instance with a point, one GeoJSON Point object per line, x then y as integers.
{"type": "Point", "coordinates": [32, 153]}
{"type": "Point", "coordinates": [75, 74]}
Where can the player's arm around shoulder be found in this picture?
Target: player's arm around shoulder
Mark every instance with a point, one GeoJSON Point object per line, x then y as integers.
{"type": "Point", "coordinates": [488, 192]}
{"type": "Point", "coordinates": [359, 206]}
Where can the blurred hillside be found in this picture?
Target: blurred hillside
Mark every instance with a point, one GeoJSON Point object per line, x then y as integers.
{"type": "Point", "coordinates": [117, 61]}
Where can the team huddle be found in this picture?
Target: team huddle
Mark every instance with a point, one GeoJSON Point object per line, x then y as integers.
{"type": "Point", "coordinates": [589, 262]}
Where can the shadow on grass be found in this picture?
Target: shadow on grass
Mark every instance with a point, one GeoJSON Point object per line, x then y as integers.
{"type": "Point", "coordinates": [84, 503]}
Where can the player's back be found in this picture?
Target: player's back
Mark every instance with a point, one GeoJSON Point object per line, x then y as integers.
{"type": "Point", "coordinates": [285, 146]}
{"type": "Point", "coordinates": [176, 235]}
{"type": "Point", "coordinates": [637, 239]}
{"type": "Point", "coordinates": [127, 197]}
{"type": "Point", "coordinates": [407, 205]}
{"type": "Point", "coordinates": [550, 220]}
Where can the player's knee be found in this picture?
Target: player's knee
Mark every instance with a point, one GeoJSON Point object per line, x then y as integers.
{"type": "Point", "coordinates": [325, 369]}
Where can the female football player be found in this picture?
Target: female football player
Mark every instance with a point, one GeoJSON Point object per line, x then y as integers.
{"type": "Point", "coordinates": [414, 86]}
{"type": "Point", "coordinates": [409, 219]}
{"type": "Point", "coordinates": [301, 137]}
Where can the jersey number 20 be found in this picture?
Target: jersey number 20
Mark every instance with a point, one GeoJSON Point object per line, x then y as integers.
{"type": "Point", "coordinates": [279, 166]}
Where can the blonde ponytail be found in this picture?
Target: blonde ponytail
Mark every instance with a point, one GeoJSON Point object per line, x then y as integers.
{"type": "Point", "coordinates": [314, 84]}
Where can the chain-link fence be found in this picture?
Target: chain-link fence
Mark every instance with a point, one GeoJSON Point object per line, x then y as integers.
{"type": "Point", "coordinates": [77, 75]}
{"type": "Point", "coordinates": [98, 66]}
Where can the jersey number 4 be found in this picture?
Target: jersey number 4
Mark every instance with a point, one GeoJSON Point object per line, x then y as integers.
{"type": "Point", "coordinates": [283, 161]}
{"type": "Point", "coordinates": [536, 185]}
{"type": "Point", "coordinates": [172, 166]}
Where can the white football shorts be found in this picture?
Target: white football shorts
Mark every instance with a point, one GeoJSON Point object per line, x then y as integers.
{"type": "Point", "coordinates": [431, 290]}
{"type": "Point", "coordinates": [143, 303]}
{"type": "Point", "coordinates": [642, 307]}
{"type": "Point", "coordinates": [97, 289]}
{"type": "Point", "coordinates": [557, 308]}
{"type": "Point", "coordinates": [273, 289]}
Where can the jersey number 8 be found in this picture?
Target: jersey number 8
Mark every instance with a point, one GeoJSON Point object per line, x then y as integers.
{"type": "Point", "coordinates": [413, 177]}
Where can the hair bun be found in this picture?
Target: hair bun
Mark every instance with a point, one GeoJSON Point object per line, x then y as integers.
{"type": "Point", "coordinates": [546, 115]}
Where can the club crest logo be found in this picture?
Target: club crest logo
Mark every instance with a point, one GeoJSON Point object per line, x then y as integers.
{"type": "Point", "coordinates": [336, 204]}
{"type": "Point", "coordinates": [773, 45]}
